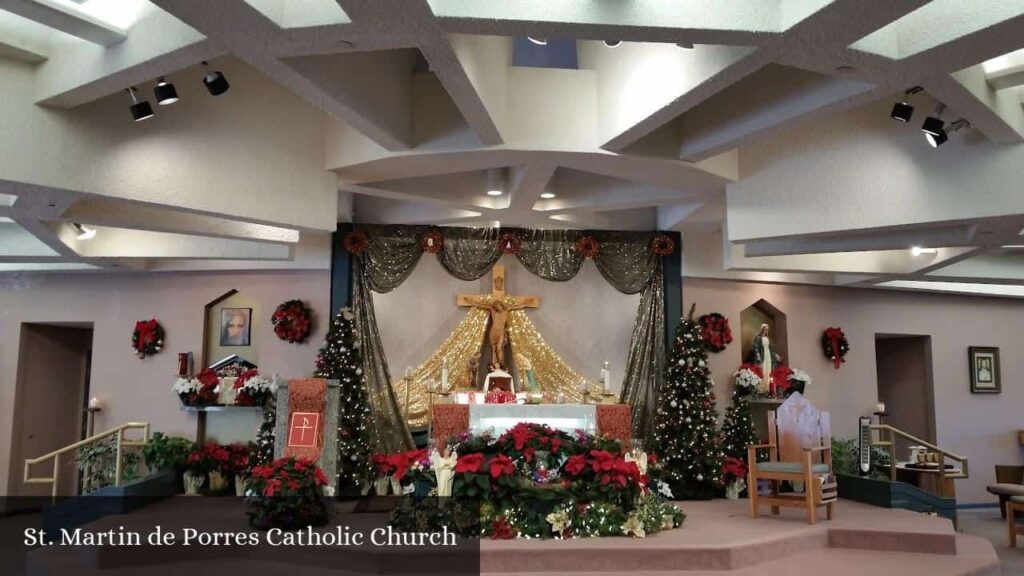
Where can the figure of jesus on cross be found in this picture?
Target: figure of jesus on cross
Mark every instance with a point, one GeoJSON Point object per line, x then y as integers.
{"type": "Point", "coordinates": [499, 305]}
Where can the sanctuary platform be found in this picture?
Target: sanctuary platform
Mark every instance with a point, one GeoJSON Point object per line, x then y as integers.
{"type": "Point", "coordinates": [718, 537]}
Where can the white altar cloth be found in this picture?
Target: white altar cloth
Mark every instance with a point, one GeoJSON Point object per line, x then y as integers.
{"type": "Point", "coordinates": [501, 417]}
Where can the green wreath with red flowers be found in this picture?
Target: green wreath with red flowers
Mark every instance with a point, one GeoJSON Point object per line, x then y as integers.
{"type": "Point", "coordinates": [292, 321]}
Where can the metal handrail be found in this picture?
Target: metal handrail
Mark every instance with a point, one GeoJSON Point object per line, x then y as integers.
{"type": "Point", "coordinates": [891, 445]}
{"type": "Point", "coordinates": [56, 454]}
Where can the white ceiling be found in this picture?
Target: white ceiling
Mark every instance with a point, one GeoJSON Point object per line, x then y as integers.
{"type": "Point", "coordinates": [767, 143]}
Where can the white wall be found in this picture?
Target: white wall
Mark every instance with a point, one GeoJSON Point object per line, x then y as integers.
{"type": "Point", "coordinates": [256, 151]}
{"type": "Point", "coordinates": [584, 320]}
{"type": "Point", "coordinates": [982, 427]}
{"type": "Point", "coordinates": [139, 390]}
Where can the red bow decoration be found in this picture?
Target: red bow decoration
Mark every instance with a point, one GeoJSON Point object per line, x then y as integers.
{"type": "Point", "coordinates": [147, 332]}
{"type": "Point", "coordinates": [835, 335]}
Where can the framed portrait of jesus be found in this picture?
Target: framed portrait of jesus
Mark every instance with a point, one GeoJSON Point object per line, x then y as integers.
{"type": "Point", "coordinates": [235, 326]}
{"type": "Point", "coordinates": [984, 365]}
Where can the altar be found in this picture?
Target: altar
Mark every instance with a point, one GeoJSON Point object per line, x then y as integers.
{"type": "Point", "coordinates": [612, 420]}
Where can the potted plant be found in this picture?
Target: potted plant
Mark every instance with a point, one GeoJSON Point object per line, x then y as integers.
{"type": "Point", "coordinates": [240, 465]}
{"type": "Point", "coordinates": [287, 494]}
{"type": "Point", "coordinates": [735, 474]}
{"type": "Point", "coordinates": [195, 472]}
{"type": "Point", "coordinates": [384, 466]}
{"type": "Point", "coordinates": [214, 461]}
{"type": "Point", "coordinates": [167, 453]}
{"type": "Point", "coordinates": [253, 389]}
{"type": "Point", "coordinates": [202, 390]}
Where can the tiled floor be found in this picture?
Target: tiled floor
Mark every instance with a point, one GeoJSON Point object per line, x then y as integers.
{"type": "Point", "coordinates": [987, 523]}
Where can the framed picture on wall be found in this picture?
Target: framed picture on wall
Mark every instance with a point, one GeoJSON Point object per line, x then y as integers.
{"type": "Point", "coordinates": [984, 365]}
{"type": "Point", "coordinates": [235, 326]}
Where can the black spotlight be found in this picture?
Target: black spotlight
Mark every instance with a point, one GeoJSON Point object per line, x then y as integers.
{"type": "Point", "coordinates": [936, 140]}
{"type": "Point", "coordinates": [933, 126]}
{"type": "Point", "coordinates": [901, 111]}
{"type": "Point", "coordinates": [165, 92]}
{"type": "Point", "coordinates": [140, 110]}
{"type": "Point", "coordinates": [215, 82]}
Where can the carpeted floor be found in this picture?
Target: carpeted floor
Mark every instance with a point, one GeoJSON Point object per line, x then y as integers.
{"type": "Point", "coordinates": [988, 524]}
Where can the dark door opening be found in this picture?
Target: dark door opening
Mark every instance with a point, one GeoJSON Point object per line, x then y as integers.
{"type": "Point", "coordinates": [51, 394]}
{"type": "Point", "coordinates": [904, 365]}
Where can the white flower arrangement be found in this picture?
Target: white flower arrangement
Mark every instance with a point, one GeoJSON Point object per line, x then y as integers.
{"type": "Point", "coordinates": [747, 378]}
{"type": "Point", "coordinates": [665, 490]}
{"type": "Point", "coordinates": [186, 386]}
{"type": "Point", "coordinates": [800, 376]}
{"type": "Point", "coordinates": [257, 385]}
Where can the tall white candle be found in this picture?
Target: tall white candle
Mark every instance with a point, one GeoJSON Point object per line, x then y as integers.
{"type": "Point", "coordinates": [880, 407]}
{"type": "Point", "coordinates": [606, 376]}
{"type": "Point", "coordinates": [444, 377]}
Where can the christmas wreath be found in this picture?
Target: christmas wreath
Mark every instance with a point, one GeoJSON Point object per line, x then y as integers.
{"type": "Point", "coordinates": [292, 321]}
{"type": "Point", "coordinates": [714, 329]}
{"type": "Point", "coordinates": [588, 247]}
{"type": "Point", "coordinates": [148, 338]}
{"type": "Point", "coordinates": [356, 242]}
{"type": "Point", "coordinates": [663, 245]}
{"type": "Point", "coordinates": [510, 243]}
{"type": "Point", "coordinates": [432, 241]}
{"type": "Point", "coordinates": [835, 346]}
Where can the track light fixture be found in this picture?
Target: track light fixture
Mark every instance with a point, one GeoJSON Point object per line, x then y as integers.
{"type": "Point", "coordinates": [538, 41]}
{"type": "Point", "coordinates": [140, 109]}
{"type": "Point", "coordinates": [84, 232]}
{"type": "Point", "coordinates": [164, 92]}
{"type": "Point", "coordinates": [942, 137]}
{"type": "Point", "coordinates": [215, 81]}
{"type": "Point", "coordinates": [902, 111]}
{"type": "Point", "coordinates": [933, 124]}
{"type": "Point", "coordinates": [612, 43]}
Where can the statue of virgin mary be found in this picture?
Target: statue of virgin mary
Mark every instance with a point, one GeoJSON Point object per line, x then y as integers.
{"type": "Point", "coordinates": [762, 355]}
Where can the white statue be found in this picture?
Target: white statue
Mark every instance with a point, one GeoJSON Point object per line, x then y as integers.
{"type": "Point", "coordinates": [444, 471]}
{"type": "Point", "coordinates": [762, 355]}
{"type": "Point", "coordinates": [640, 457]}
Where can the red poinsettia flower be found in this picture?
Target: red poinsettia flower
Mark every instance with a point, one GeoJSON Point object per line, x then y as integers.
{"type": "Point", "coordinates": [502, 529]}
{"type": "Point", "coordinates": [469, 463]}
{"type": "Point", "coordinates": [575, 465]}
{"type": "Point", "coordinates": [601, 460]}
{"type": "Point", "coordinates": [502, 465]}
{"type": "Point", "coordinates": [735, 467]}
{"type": "Point", "coordinates": [273, 485]}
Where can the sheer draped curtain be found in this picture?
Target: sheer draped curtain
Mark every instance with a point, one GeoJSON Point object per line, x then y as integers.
{"type": "Point", "coordinates": [625, 260]}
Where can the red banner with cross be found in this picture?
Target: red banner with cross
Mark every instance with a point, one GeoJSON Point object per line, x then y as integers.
{"type": "Point", "coordinates": [307, 403]}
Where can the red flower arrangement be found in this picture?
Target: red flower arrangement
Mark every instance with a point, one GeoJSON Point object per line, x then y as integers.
{"type": "Point", "coordinates": [288, 495]}
{"type": "Point", "coordinates": [510, 243]}
{"type": "Point", "coordinates": [501, 529]}
{"type": "Point", "coordinates": [714, 329]}
{"type": "Point", "coordinates": [663, 245]}
{"type": "Point", "coordinates": [356, 242]}
{"type": "Point", "coordinates": [292, 321]}
{"type": "Point", "coordinates": [432, 241]}
{"type": "Point", "coordinates": [207, 393]}
{"type": "Point", "coordinates": [211, 457]}
{"type": "Point", "coordinates": [734, 468]}
{"type": "Point", "coordinates": [588, 247]}
{"type": "Point", "coordinates": [780, 379]}
{"type": "Point", "coordinates": [499, 396]}
{"type": "Point", "coordinates": [147, 338]}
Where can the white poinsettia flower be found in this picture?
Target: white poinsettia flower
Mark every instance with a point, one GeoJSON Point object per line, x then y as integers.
{"type": "Point", "coordinates": [800, 376]}
{"type": "Point", "coordinates": [668, 522]}
{"type": "Point", "coordinates": [634, 526]}
{"type": "Point", "coordinates": [746, 378]}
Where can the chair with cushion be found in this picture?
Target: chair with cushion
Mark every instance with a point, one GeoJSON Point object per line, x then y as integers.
{"type": "Point", "coordinates": [1009, 483]}
{"type": "Point", "coordinates": [800, 451]}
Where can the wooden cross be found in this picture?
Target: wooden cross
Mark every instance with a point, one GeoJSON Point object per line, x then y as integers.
{"type": "Point", "coordinates": [499, 304]}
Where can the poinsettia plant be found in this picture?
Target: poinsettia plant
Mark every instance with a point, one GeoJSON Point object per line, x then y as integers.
{"type": "Point", "coordinates": [203, 390]}
{"type": "Point", "coordinates": [254, 389]}
{"type": "Point", "coordinates": [211, 457]}
{"type": "Point", "coordinates": [287, 494]}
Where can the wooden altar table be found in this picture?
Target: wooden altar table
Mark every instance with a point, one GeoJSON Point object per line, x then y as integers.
{"type": "Point", "coordinates": [613, 420]}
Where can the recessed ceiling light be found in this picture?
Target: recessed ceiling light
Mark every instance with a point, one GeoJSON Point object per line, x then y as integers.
{"type": "Point", "coordinates": [685, 45]}
{"type": "Point", "coordinates": [141, 110]}
{"type": "Point", "coordinates": [84, 232]}
{"type": "Point", "coordinates": [917, 251]}
{"type": "Point", "coordinates": [612, 43]}
{"type": "Point", "coordinates": [165, 92]}
{"type": "Point", "coordinates": [495, 181]}
{"type": "Point", "coordinates": [1014, 246]}
{"type": "Point", "coordinates": [547, 195]}
{"type": "Point", "coordinates": [538, 41]}
{"type": "Point", "coordinates": [844, 69]}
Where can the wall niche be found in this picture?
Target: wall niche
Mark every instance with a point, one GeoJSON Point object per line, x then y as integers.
{"type": "Point", "coordinates": [230, 331]}
{"type": "Point", "coordinates": [751, 319]}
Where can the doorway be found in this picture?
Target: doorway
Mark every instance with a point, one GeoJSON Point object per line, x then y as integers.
{"type": "Point", "coordinates": [904, 366]}
{"type": "Point", "coordinates": [51, 396]}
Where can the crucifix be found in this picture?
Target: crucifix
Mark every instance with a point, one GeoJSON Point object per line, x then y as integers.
{"type": "Point", "coordinates": [499, 306]}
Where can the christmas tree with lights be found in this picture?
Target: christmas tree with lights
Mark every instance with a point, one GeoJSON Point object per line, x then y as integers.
{"type": "Point", "coordinates": [685, 437]}
{"type": "Point", "coordinates": [738, 426]}
{"type": "Point", "coordinates": [263, 453]}
{"type": "Point", "coordinates": [340, 359]}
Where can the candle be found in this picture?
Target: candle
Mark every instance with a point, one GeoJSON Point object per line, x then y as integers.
{"type": "Point", "coordinates": [408, 371]}
{"type": "Point", "coordinates": [606, 376]}
{"type": "Point", "coordinates": [94, 403]}
{"type": "Point", "coordinates": [444, 377]}
{"type": "Point", "coordinates": [880, 407]}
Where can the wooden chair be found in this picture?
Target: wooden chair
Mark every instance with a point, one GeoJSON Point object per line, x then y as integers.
{"type": "Point", "coordinates": [1014, 508]}
{"type": "Point", "coordinates": [799, 450]}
